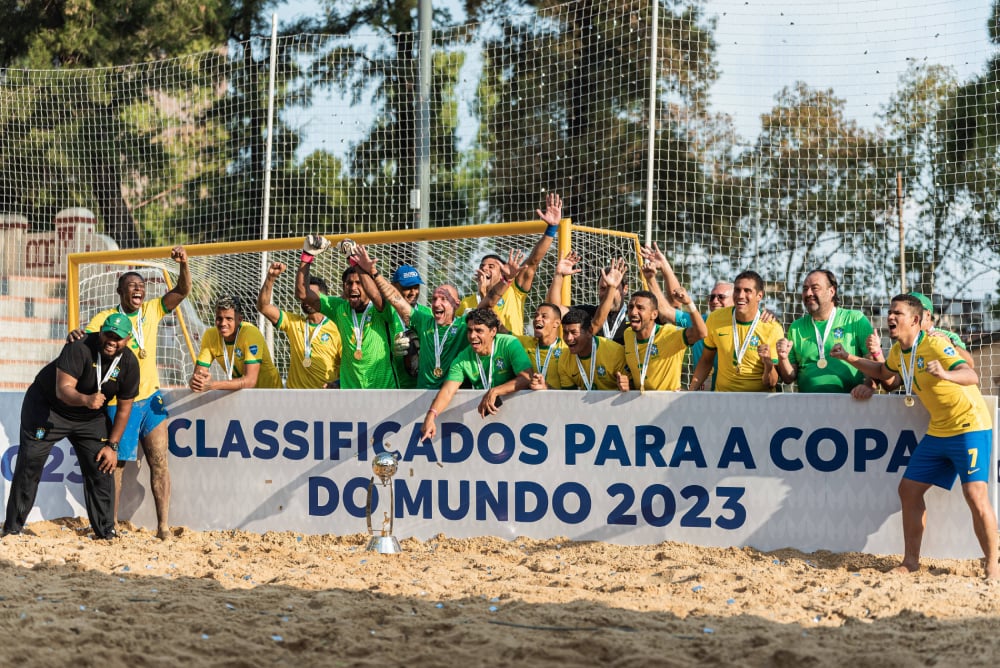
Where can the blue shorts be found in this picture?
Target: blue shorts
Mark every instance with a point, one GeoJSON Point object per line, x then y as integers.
{"type": "Point", "coordinates": [146, 416]}
{"type": "Point", "coordinates": [938, 460]}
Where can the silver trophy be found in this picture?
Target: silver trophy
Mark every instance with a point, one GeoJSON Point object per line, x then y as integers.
{"type": "Point", "coordinates": [384, 466]}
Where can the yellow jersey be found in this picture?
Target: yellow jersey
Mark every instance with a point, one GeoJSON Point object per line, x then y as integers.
{"type": "Point", "coordinates": [324, 351]}
{"type": "Point", "coordinates": [736, 375]}
{"type": "Point", "coordinates": [598, 369]}
{"type": "Point", "coordinates": [510, 308]}
{"type": "Point", "coordinates": [955, 409]}
{"type": "Point", "coordinates": [666, 358]}
{"type": "Point", "coordinates": [248, 348]}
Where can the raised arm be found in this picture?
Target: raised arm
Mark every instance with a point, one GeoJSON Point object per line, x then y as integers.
{"type": "Point", "coordinates": [552, 215]}
{"type": "Point", "coordinates": [173, 298]}
{"type": "Point", "coordinates": [369, 273]}
{"type": "Point", "coordinates": [565, 267]}
{"type": "Point", "coordinates": [872, 369]}
{"type": "Point", "coordinates": [787, 371]}
{"type": "Point", "coordinates": [665, 309]}
{"type": "Point", "coordinates": [264, 305]}
{"type": "Point", "coordinates": [653, 255]}
{"type": "Point", "coordinates": [313, 245]}
{"type": "Point", "coordinates": [697, 331]}
{"type": "Point", "coordinates": [613, 277]}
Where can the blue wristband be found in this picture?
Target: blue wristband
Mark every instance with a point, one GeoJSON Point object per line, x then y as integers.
{"type": "Point", "coordinates": [551, 230]}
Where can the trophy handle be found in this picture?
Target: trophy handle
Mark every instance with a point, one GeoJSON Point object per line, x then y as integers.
{"type": "Point", "coordinates": [368, 505]}
{"type": "Point", "coordinates": [392, 506]}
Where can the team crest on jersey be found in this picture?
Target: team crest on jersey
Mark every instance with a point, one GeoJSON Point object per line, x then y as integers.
{"type": "Point", "coordinates": [653, 350]}
{"type": "Point", "coordinates": [948, 350]}
{"type": "Point", "coordinates": [239, 352]}
{"type": "Point", "coordinates": [253, 350]}
{"type": "Point", "coordinates": [838, 333]}
{"type": "Point", "coordinates": [500, 364]}
{"type": "Point", "coordinates": [114, 374]}
{"type": "Point", "coordinates": [601, 371]}
{"type": "Point", "coordinates": [40, 433]}
{"type": "Point", "coordinates": [501, 303]}
{"type": "Point", "coordinates": [754, 340]}
{"type": "Point", "coordinates": [557, 353]}
{"type": "Point", "coordinates": [324, 337]}
{"type": "Point", "coordinates": [920, 363]}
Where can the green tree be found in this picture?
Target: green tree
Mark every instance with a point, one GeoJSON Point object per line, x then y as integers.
{"type": "Point", "coordinates": [970, 174]}
{"type": "Point", "coordinates": [820, 192]}
{"type": "Point", "coordinates": [95, 155]}
{"type": "Point", "coordinates": [567, 109]}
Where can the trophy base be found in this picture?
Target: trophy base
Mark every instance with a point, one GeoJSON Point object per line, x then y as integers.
{"type": "Point", "coordinates": [384, 545]}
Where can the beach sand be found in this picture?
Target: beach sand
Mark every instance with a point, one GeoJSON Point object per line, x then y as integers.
{"type": "Point", "coordinates": [235, 598]}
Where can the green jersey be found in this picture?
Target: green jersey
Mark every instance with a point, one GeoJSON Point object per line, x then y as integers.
{"type": "Point", "coordinates": [439, 346]}
{"type": "Point", "coordinates": [367, 332]}
{"type": "Point", "coordinates": [850, 329]}
{"type": "Point", "coordinates": [506, 361]}
{"type": "Point", "coordinates": [406, 381]}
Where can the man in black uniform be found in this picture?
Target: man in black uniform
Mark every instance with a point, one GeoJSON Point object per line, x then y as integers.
{"type": "Point", "coordinates": [67, 400]}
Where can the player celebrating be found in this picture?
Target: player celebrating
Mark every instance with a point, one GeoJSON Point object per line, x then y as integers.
{"type": "Point", "coordinates": [959, 437]}
{"type": "Point", "coordinates": [493, 362]}
{"type": "Point", "coordinates": [239, 348]}
{"type": "Point", "coordinates": [313, 339]}
{"type": "Point", "coordinates": [147, 421]}
{"type": "Point", "coordinates": [742, 340]}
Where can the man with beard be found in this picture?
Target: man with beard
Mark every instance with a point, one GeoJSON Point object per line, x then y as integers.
{"type": "Point", "coordinates": [510, 306]}
{"type": "Point", "coordinates": [366, 363]}
{"type": "Point", "coordinates": [148, 420]}
{"type": "Point", "coordinates": [67, 400]}
{"type": "Point", "coordinates": [313, 340]}
{"type": "Point", "coordinates": [493, 362]}
{"type": "Point", "coordinates": [742, 341]}
{"type": "Point", "coordinates": [803, 356]}
{"type": "Point", "coordinates": [959, 438]}
{"type": "Point", "coordinates": [441, 335]}
{"type": "Point", "coordinates": [239, 348]}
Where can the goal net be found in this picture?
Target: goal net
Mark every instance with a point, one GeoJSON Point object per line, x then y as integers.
{"type": "Point", "coordinates": [447, 255]}
{"type": "Point", "coordinates": [776, 136]}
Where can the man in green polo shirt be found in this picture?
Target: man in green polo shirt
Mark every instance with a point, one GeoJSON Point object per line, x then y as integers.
{"type": "Point", "coordinates": [804, 355]}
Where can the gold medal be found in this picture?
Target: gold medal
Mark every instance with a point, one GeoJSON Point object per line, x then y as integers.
{"type": "Point", "coordinates": [821, 363]}
{"type": "Point", "coordinates": [357, 353]}
{"type": "Point", "coordinates": [909, 401]}
{"type": "Point", "coordinates": [307, 362]}
{"type": "Point", "coordinates": [438, 372]}
{"type": "Point", "coordinates": [142, 353]}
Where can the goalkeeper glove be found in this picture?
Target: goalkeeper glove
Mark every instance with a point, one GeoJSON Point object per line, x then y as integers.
{"type": "Point", "coordinates": [315, 244]}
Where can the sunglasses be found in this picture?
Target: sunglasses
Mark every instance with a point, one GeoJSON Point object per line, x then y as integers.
{"type": "Point", "coordinates": [721, 297]}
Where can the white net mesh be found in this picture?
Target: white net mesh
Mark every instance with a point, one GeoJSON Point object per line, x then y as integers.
{"type": "Point", "coordinates": [782, 142]}
{"type": "Point", "coordinates": [450, 259]}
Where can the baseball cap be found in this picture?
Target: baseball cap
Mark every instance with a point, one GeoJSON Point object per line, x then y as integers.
{"type": "Point", "coordinates": [119, 324]}
{"type": "Point", "coordinates": [406, 276]}
{"type": "Point", "coordinates": [924, 300]}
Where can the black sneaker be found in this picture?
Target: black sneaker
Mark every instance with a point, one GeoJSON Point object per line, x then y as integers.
{"type": "Point", "coordinates": [10, 532]}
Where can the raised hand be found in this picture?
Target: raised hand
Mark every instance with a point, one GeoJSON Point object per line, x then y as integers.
{"type": "Point", "coordinates": [511, 268]}
{"type": "Point", "coordinates": [363, 260]}
{"type": "Point", "coordinates": [178, 254]}
{"type": "Point", "coordinates": [553, 209]}
{"type": "Point", "coordinates": [567, 265]}
{"type": "Point", "coordinates": [614, 274]}
{"type": "Point", "coordinates": [276, 269]}
{"type": "Point", "coordinates": [315, 244]}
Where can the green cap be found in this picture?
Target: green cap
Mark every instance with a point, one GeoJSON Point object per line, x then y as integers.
{"type": "Point", "coordinates": [924, 300]}
{"type": "Point", "coordinates": [119, 324]}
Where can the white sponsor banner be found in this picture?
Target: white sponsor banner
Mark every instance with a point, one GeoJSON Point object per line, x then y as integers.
{"type": "Point", "coordinates": [768, 471]}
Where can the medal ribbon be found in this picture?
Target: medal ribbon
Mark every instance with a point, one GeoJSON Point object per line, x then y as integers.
{"type": "Point", "coordinates": [309, 339]}
{"type": "Point", "coordinates": [644, 365]}
{"type": "Point", "coordinates": [907, 374]}
{"type": "Point", "coordinates": [543, 368]}
{"type": "Point", "coordinates": [618, 321]}
{"type": "Point", "coordinates": [114, 364]}
{"type": "Point", "coordinates": [739, 351]}
{"type": "Point", "coordinates": [359, 330]}
{"type": "Point", "coordinates": [821, 340]}
{"type": "Point", "coordinates": [440, 343]}
{"type": "Point", "coordinates": [589, 382]}
{"type": "Point", "coordinates": [486, 381]}
{"type": "Point", "coordinates": [137, 332]}
{"type": "Point", "coordinates": [230, 364]}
